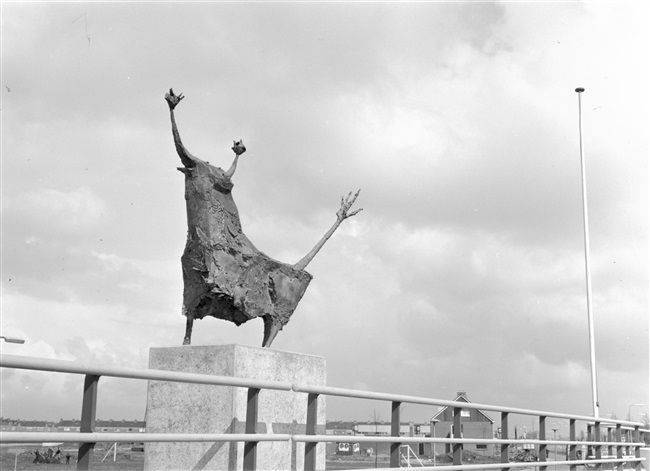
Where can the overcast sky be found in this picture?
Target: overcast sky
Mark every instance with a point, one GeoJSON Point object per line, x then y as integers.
{"type": "Point", "coordinates": [458, 122]}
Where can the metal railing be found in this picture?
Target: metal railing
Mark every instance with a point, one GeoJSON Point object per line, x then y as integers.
{"type": "Point", "coordinates": [609, 451]}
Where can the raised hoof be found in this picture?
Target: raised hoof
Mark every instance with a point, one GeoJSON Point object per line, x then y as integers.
{"type": "Point", "coordinates": [186, 341]}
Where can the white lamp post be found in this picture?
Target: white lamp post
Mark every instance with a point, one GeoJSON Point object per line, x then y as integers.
{"type": "Point", "coordinates": [590, 315]}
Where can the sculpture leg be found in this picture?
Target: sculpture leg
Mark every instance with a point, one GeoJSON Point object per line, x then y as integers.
{"type": "Point", "coordinates": [188, 331]}
{"type": "Point", "coordinates": [271, 329]}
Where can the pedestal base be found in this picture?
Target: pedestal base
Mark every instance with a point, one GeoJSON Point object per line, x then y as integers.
{"type": "Point", "coordinates": [194, 408]}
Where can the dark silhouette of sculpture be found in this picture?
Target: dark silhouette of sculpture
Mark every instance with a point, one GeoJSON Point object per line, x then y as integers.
{"type": "Point", "coordinates": [224, 275]}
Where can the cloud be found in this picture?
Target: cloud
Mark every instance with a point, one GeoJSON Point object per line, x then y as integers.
{"type": "Point", "coordinates": [71, 212]}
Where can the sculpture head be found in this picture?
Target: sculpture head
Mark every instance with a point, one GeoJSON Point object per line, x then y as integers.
{"type": "Point", "coordinates": [238, 147]}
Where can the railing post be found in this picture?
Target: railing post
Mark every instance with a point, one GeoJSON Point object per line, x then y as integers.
{"type": "Point", "coordinates": [457, 448]}
{"type": "Point", "coordinates": [505, 447]}
{"type": "Point", "coordinates": [599, 449]}
{"type": "Point", "coordinates": [250, 448]}
{"type": "Point", "coordinates": [619, 446]}
{"type": "Point", "coordinates": [542, 436]}
{"type": "Point", "coordinates": [637, 448]}
{"type": "Point", "coordinates": [87, 425]}
{"type": "Point", "coordinates": [573, 447]}
{"type": "Point", "coordinates": [395, 422]}
{"type": "Point", "coordinates": [610, 450]}
{"type": "Point", "coordinates": [312, 421]}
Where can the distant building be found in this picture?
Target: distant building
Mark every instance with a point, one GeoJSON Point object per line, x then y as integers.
{"type": "Point", "coordinates": [120, 426]}
{"type": "Point", "coordinates": [105, 426]}
{"type": "Point", "coordinates": [35, 426]}
{"type": "Point", "coordinates": [406, 429]}
{"type": "Point", "coordinates": [474, 424]}
{"type": "Point", "coordinates": [68, 425]}
{"type": "Point", "coordinates": [72, 425]}
{"type": "Point", "coordinates": [339, 427]}
{"type": "Point", "coordinates": [349, 430]}
{"type": "Point", "coordinates": [9, 425]}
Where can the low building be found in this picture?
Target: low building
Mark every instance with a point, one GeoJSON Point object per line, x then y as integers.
{"type": "Point", "coordinates": [348, 430]}
{"type": "Point", "coordinates": [65, 425]}
{"type": "Point", "coordinates": [104, 426]}
{"type": "Point", "coordinates": [35, 426]}
{"type": "Point", "coordinates": [339, 427]}
{"type": "Point", "coordinates": [72, 425]}
{"type": "Point", "coordinates": [120, 426]}
{"type": "Point", "coordinates": [9, 425]}
{"type": "Point", "coordinates": [406, 429]}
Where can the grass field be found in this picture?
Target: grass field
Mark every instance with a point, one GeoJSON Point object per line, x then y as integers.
{"type": "Point", "coordinates": [22, 458]}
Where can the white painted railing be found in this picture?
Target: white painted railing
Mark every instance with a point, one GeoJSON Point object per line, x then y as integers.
{"type": "Point", "coordinates": [604, 452]}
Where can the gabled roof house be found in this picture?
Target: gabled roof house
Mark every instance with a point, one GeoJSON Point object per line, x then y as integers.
{"type": "Point", "coordinates": [474, 424]}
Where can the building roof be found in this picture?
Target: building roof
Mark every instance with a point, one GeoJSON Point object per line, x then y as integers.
{"type": "Point", "coordinates": [120, 423]}
{"type": "Point", "coordinates": [68, 423]}
{"type": "Point", "coordinates": [461, 396]}
{"type": "Point", "coordinates": [35, 423]}
{"type": "Point", "coordinates": [340, 425]}
{"type": "Point", "coordinates": [5, 421]}
{"type": "Point", "coordinates": [75, 423]}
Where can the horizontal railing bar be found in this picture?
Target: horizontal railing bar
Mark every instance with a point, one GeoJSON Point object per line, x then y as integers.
{"type": "Point", "coordinates": [63, 366]}
{"type": "Point", "coordinates": [365, 439]}
{"type": "Point", "coordinates": [475, 441]}
{"type": "Point", "coordinates": [528, 464]}
{"type": "Point", "coordinates": [378, 396]}
{"type": "Point", "coordinates": [97, 437]}
{"type": "Point", "coordinates": [23, 437]}
{"type": "Point", "coordinates": [604, 457]}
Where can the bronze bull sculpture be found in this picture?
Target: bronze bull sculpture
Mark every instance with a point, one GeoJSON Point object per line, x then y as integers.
{"type": "Point", "coordinates": [224, 275]}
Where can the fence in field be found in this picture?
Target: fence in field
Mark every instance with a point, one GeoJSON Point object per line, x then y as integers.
{"type": "Point", "coordinates": [611, 444]}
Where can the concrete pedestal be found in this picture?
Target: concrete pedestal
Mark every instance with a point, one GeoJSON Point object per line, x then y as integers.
{"type": "Point", "coordinates": [193, 408]}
